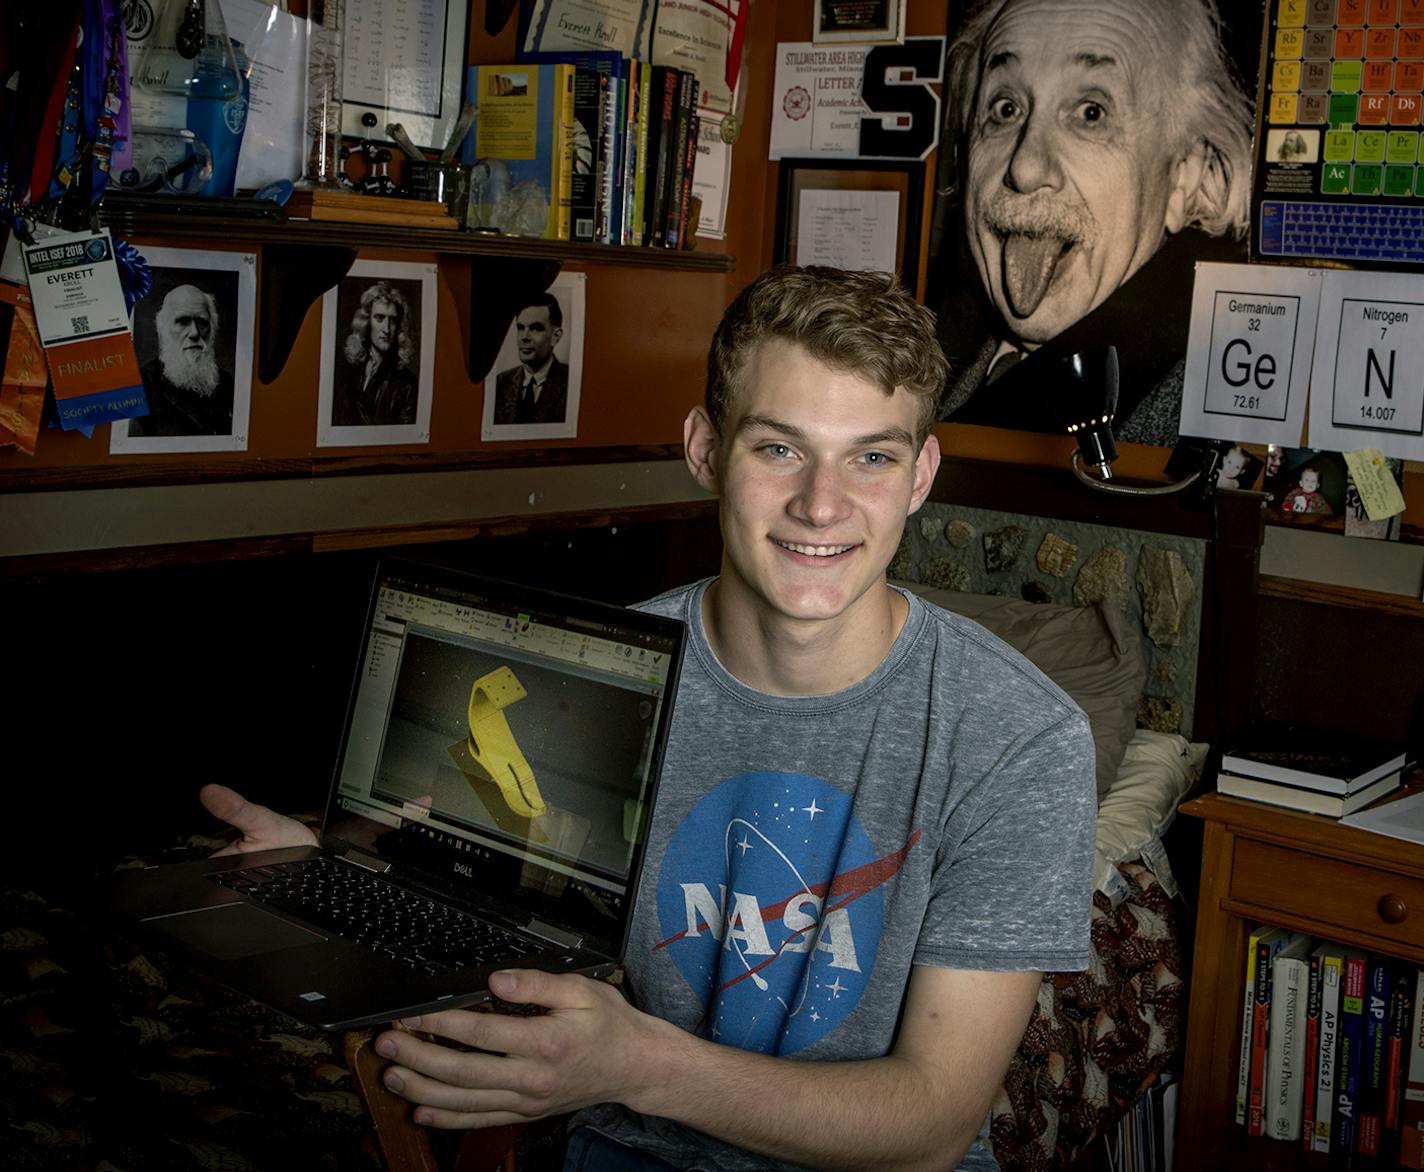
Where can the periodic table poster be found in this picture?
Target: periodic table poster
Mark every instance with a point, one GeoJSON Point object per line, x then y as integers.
{"type": "Point", "coordinates": [1339, 174]}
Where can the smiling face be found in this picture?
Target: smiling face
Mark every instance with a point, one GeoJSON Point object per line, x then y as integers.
{"type": "Point", "coordinates": [817, 470]}
{"type": "Point", "coordinates": [1310, 480]}
{"type": "Point", "coordinates": [1073, 184]}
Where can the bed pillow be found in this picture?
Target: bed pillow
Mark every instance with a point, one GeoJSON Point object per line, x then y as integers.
{"type": "Point", "coordinates": [1156, 772]}
{"type": "Point", "coordinates": [1091, 652]}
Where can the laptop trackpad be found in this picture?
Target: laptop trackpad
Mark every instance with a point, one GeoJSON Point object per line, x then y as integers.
{"type": "Point", "coordinates": [233, 931]}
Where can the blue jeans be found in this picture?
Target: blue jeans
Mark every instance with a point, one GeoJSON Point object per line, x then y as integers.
{"type": "Point", "coordinates": [592, 1151]}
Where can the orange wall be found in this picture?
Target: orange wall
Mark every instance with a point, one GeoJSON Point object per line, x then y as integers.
{"type": "Point", "coordinates": [647, 329]}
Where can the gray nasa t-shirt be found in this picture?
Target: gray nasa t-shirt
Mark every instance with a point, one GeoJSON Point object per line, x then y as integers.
{"type": "Point", "coordinates": [806, 852]}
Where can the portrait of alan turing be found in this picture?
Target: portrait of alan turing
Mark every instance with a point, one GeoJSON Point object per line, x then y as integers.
{"type": "Point", "coordinates": [185, 336]}
{"type": "Point", "coordinates": [1093, 152]}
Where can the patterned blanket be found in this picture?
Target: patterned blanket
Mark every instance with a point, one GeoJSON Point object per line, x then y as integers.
{"type": "Point", "coordinates": [1096, 1038]}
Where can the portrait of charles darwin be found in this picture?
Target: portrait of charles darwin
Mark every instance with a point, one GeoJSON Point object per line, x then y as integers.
{"type": "Point", "coordinates": [185, 337]}
{"type": "Point", "coordinates": [1093, 151]}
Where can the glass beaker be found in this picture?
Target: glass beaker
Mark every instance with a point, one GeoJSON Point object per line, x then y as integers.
{"type": "Point", "coordinates": [323, 95]}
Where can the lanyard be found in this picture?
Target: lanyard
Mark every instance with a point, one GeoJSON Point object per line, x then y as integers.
{"type": "Point", "coordinates": [93, 103]}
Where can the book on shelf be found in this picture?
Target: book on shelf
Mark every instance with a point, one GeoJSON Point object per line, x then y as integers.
{"type": "Point", "coordinates": [1332, 966]}
{"type": "Point", "coordinates": [1285, 1054]}
{"type": "Point", "coordinates": [1349, 1052]}
{"type": "Point", "coordinates": [1293, 944]}
{"type": "Point", "coordinates": [526, 125]}
{"type": "Point", "coordinates": [1305, 798]}
{"type": "Point", "coordinates": [1411, 1111]}
{"type": "Point", "coordinates": [1276, 938]}
{"type": "Point", "coordinates": [662, 119]}
{"type": "Point", "coordinates": [687, 87]}
{"type": "Point", "coordinates": [588, 126]}
{"type": "Point", "coordinates": [1311, 1052]}
{"type": "Point", "coordinates": [1378, 981]}
{"type": "Point", "coordinates": [1400, 1029]}
{"type": "Point", "coordinates": [1301, 758]}
{"type": "Point", "coordinates": [636, 132]}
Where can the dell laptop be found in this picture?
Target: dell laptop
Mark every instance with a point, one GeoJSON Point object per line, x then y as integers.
{"type": "Point", "coordinates": [488, 810]}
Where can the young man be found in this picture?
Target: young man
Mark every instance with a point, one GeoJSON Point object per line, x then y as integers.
{"type": "Point", "coordinates": [875, 826]}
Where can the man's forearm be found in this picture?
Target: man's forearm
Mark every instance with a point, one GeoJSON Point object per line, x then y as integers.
{"type": "Point", "coordinates": [892, 1112]}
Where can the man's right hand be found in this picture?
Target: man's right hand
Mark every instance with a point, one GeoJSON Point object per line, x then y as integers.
{"type": "Point", "coordinates": [262, 829]}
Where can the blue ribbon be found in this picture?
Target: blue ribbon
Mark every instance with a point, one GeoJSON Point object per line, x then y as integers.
{"type": "Point", "coordinates": [134, 274]}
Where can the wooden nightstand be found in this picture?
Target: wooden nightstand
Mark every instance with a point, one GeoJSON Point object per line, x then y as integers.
{"type": "Point", "coordinates": [1264, 865]}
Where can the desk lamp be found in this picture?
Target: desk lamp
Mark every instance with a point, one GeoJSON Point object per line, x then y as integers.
{"type": "Point", "coordinates": [1087, 404]}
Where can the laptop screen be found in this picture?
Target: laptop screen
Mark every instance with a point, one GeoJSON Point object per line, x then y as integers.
{"type": "Point", "coordinates": [504, 742]}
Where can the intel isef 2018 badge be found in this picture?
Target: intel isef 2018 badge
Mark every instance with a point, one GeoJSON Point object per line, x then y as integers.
{"type": "Point", "coordinates": [84, 328]}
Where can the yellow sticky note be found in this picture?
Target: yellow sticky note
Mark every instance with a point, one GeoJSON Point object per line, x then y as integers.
{"type": "Point", "coordinates": [1379, 491]}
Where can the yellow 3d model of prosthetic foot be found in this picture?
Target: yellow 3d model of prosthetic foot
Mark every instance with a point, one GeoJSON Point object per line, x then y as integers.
{"type": "Point", "coordinates": [492, 744]}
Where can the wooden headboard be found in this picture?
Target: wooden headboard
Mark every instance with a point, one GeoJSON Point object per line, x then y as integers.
{"type": "Point", "coordinates": [1217, 541]}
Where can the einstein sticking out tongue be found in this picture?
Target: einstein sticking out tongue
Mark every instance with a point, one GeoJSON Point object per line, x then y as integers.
{"type": "Point", "coordinates": [1088, 136]}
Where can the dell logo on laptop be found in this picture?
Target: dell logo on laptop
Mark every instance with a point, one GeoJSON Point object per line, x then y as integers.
{"type": "Point", "coordinates": [465, 869]}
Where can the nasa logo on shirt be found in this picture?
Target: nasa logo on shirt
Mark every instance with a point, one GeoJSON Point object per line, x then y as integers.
{"type": "Point", "coordinates": [769, 903]}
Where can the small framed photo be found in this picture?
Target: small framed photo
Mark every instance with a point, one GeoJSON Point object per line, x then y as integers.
{"type": "Point", "coordinates": [862, 22]}
{"type": "Point", "coordinates": [864, 217]}
{"type": "Point", "coordinates": [377, 356]}
{"type": "Point", "coordinates": [193, 337]}
{"type": "Point", "coordinates": [533, 389]}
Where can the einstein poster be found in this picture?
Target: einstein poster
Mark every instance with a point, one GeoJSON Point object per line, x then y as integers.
{"type": "Point", "coordinates": [1093, 152]}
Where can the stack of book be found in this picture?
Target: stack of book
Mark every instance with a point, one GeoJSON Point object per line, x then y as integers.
{"type": "Point", "coordinates": [1331, 1053]}
{"type": "Point", "coordinates": [1335, 779]}
{"type": "Point", "coordinates": [589, 147]}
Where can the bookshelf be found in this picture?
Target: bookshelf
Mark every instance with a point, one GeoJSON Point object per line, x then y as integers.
{"type": "Point", "coordinates": [1263, 864]}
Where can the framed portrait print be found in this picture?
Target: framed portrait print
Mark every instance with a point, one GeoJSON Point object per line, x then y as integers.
{"type": "Point", "coordinates": [193, 337]}
{"type": "Point", "coordinates": [533, 389]}
{"type": "Point", "coordinates": [377, 356]}
{"type": "Point", "coordinates": [859, 214]}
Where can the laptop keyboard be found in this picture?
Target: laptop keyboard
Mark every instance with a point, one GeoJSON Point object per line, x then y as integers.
{"type": "Point", "coordinates": [422, 933]}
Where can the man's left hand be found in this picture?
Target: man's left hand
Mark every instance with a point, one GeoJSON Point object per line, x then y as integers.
{"type": "Point", "coordinates": [583, 1050]}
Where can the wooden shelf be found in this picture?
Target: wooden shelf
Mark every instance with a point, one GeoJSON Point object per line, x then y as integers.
{"type": "Point", "coordinates": [1265, 864]}
{"type": "Point", "coordinates": [302, 259]}
{"type": "Point", "coordinates": [186, 223]}
{"type": "Point", "coordinates": [1298, 590]}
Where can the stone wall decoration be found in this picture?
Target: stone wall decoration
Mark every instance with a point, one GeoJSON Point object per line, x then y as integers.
{"type": "Point", "coordinates": [1152, 578]}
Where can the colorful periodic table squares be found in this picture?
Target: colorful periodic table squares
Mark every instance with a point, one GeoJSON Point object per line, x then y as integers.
{"type": "Point", "coordinates": [1374, 109]}
{"type": "Point", "coordinates": [1379, 44]}
{"type": "Point", "coordinates": [1318, 44]}
{"type": "Point", "coordinates": [1349, 42]}
{"type": "Point", "coordinates": [1355, 68]}
{"type": "Point", "coordinates": [1402, 147]}
{"type": "Point", "coordinates": [1377, 76]}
